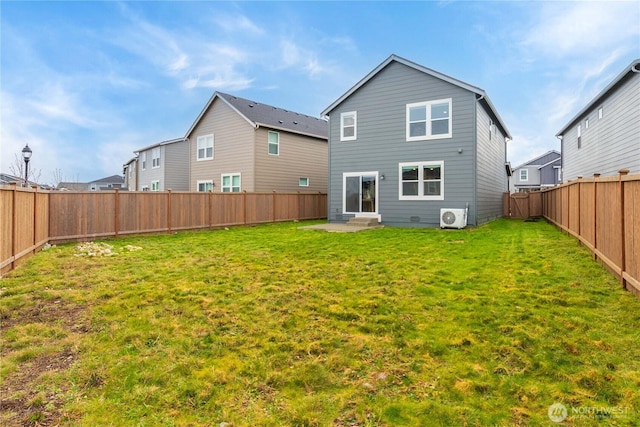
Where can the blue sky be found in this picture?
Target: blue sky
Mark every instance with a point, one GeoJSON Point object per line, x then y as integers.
{"type": "Point", "coordinates": [87, 83]}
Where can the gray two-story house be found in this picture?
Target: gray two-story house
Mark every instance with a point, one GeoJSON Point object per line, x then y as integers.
{"type": "Point", "coordinates": [407, 141]}
{"type": "Point", "coordinates": [604, 136]}
{"type": "Point", "coordinates": [163, 166]}
{"type": "Point", "coordinates": [541, 172]}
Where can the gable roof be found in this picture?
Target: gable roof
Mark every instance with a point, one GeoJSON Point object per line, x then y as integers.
{"type": "Point", "coordinates": [482, 96]}
{"type": "Point", "coordinates": [634, 67]}
{"type": "Point", "coordinates": [533, 161]}
{"type": "Point", "coordinates": [158, 144]}
{"type": "Point", "coordinates": [264, 115]}
{"type": "Point", "coordinates": [117, 179]}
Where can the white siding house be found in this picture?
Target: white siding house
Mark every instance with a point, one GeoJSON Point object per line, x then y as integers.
{"type": "Point", "coordinates": [604, 136]}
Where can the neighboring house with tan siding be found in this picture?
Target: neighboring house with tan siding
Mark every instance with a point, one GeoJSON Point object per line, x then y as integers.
{"type": "Point", "coordinates": [604, 136]}
{"type": "Point", "coordinates": [163, 166]}
{"type": "Point", "coordinates": [236, 144]}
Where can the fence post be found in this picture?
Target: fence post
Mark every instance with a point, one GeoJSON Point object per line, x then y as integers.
{"type": "Point", "coordinates": [579, 207]}
{"type": "Point", "coordinates": [169, 210]}
{"type": "Point", "coordinates": [210, 198]}
{"type": "Point", "coordinates": [595, 214]}
{"type": "Point", "coordinates": [14, 224]}
{"type": "Point", "coordinates": [273, 206]}
{"type": "Point", "coordinates": [623, 259]}
{"type": "Point", "coordinates": [244, 207]}
{"type": "Point", "coordinates": [116, 208]}
{"type": "Point", "coordinates": [35, 217]}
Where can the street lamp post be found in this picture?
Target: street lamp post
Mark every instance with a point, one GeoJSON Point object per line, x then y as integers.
{"type": "Point", "coordinates": [26, 155]}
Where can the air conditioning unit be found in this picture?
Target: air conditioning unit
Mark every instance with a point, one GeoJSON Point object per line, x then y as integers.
{"type": "Point", "coordinates": [453, 218]}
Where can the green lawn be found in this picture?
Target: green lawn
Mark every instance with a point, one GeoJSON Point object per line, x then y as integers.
{"type": "Point", "coordinates": [275, 326]}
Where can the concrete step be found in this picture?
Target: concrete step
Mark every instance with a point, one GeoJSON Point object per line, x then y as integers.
{"type": "Point", "coordinates": [363, 222]}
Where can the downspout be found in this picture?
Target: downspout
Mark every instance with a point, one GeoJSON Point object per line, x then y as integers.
{"type": "Point", "coordinates": [475, 164]}
{"type": "Point", "coordinates": [561, 156]}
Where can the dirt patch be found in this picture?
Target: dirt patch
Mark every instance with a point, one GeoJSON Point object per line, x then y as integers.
{"type": "Point", "coordinates": [24, 398]}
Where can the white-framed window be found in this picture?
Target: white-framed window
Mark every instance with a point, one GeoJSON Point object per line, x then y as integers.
{"type": "Point", "coordinates": [349, 126]}
{"type": "Point", "coordinates": [145, 188]}
{"type": "Point", "coordinates": [580, 136]}
{"type": "Point", "coordinates": [600, 113]}
{"type": "Point", "coordinates": [421, 180]}
{"type": "Point", "coordinates": [155, 158]}
{"type": "Point", "coordinates": [143, 160]}
{"type": "Point", "coordinates": [586, 123]}
{"type": "Point", "coordinates": [155, 185]}
{"type": "Point", "coordinates": [206, 185]}
{"type": "Point", "coordinates": [231, 183]}
{"type": "Point", "coordinates": [205, 147]}
{"type": "Point", "coordinates": [429, 120]}
{"type": "Point", "coordinates": [524, 174]}
{"type": "Point", "coordinates": [303, 181]}
{"type": "Point", "coordinates": [274, 143]}
{"type": "Point", "coordinates": [94, 186]}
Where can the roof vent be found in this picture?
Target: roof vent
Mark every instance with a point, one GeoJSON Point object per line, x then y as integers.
{"type": "Point", "coordinates": [250, 105]}
{"type": "Point", "coordinates": [280, 121]}
{"type": "Point", "coordinates": [295, 122]}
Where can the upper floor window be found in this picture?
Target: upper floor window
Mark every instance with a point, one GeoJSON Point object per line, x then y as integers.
{"type": "Point", "coordinates": [205, 147]}
{"type": "Point", "coordinates": [274, 143]}
{"type": "Point", "coordinates": [429, 120]}
{"type": "Point", "coordinates": [421, 181]}
{"type": "Point", "coordinates": [349, 126]}
{"type": "Point", "coordinates": [155, 158]}
{"type": "Point", "coordinates": [204, 186]}
{"type": "Point", "coordinates": [143, 160]}
{"type": "Point", "coordinates": [600, 113]}
{"type": "Point", "coordinates": [524, 174]}
{"type": "Point", "coordinates": [579, 136]}
{"type": "Point", "coordinates": [231, 183]}
{"type": "Point", "coordinates": [586, 123]}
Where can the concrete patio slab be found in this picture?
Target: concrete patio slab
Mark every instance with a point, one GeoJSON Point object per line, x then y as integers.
{"type": "Point", "coordinates": [339, 228]}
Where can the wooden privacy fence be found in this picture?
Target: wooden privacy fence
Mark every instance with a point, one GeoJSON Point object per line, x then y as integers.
{"type": "Point", "coordinates": [604, 214]}
{"type": "Point", "coordinates": [29, 218]}
{"type": "Point", "coordinates": [522, 205]}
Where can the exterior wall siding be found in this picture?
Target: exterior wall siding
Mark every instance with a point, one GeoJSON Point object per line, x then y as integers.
{"type": "Point", "coordinates": [149, 174]}
{"type": "Point", "coordinates": [491, 176]}
{"type": "Point", "coordinates": [381, 145]}
{"type": "Point", "coordinates": [176, 165]}
{"type": "Point", "coordinates": [299, 156]}
{"type": "Point", "coordinates": [610, 143]}
{"type": "Point", "coordinates": [233, 148]}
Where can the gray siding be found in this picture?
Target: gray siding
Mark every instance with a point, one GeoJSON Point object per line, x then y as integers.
{"type": "Point", "coordinates": [149, 173]}
{"type": "Point", "coordinates": [299, 156]}
{"type": "Point", "coordinates": [175, 162]}
{"type": "Point", "coordinates": [232, 148]}
{"type": "Point", "coordinates": [381, 145]}
{"type": "Point", "coordinates": [491, 181]}
{"type": "Point", "coordinates": [549, 174]}
{"type": "Point", "coordinates": [610, 143]}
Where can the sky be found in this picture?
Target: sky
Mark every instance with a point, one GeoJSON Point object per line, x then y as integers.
{"type": "Point", "coordinates": [85, 84]}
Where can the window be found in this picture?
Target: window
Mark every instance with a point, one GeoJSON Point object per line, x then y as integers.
{"type": "Point", "coordinates": [579, 136]}
{"type": "Point", "coordinates": [155, 185]}
{"type": "Point", "coordinates": [274, 143]}
{"type": "Point", "coordinates": [145, 188]}
{"type": "Point", "coordinates": [600, 113]}
{"type": "Point", "coordinates": [204, 186]}
{"type": "Point", "coordinates": [94, 187]}
{"type": "Point", "coordinates": [348, 126]}
{"type": "Point", "coordinates": [586, 123]}
{"type": "Point", "coordinates": [231, 183]}
{"type": "Point", "coordinates": [143, 160]}
{"type": "Point", "coordinates": [421, 181]}
{"type": "Point", "coordinates": [303, 182]}
{"type": "Point", "coordinates": [524, 174]}
{"type": "Point", "coordinates": [205, 147]}
{"type": "Point", "coordinates": [155, 158]}
{"type": "Point", "coordinates": [429, 120]}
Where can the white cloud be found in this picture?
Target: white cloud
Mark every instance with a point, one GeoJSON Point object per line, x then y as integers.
{"type": "Point", "coordinates": [237, 24]}
{"type": "Point", "coordinates": [573, 29]}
